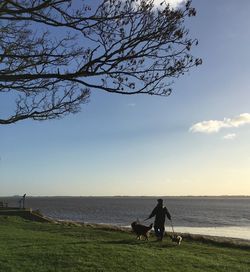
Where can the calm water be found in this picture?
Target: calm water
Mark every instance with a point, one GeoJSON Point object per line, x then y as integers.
{"type": "Point", "coordinates": [206, 215]}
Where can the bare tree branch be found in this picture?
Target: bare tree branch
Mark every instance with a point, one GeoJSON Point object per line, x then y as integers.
{"type": "Point", "coordinates": [54, 53]}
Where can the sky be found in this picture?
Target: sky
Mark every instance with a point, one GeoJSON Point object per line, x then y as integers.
{"type": "Point", "coordinates": [194, 142]}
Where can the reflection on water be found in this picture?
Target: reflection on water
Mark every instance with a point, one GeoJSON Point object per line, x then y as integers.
{"type": "Point", "coordinates": [233, 232]}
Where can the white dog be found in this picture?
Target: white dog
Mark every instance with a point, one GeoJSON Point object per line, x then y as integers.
{"type": "Point", "coordinates": [176, 239]}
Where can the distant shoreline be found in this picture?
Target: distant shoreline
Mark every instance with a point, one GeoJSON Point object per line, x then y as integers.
{"type": "Point", "coordinates": [125, 196]}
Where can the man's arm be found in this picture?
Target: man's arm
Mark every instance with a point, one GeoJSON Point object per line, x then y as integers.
{"type": "Point", "coordinates": [168, 214]}
{"type": "Point", "coordinates": [153, 213]}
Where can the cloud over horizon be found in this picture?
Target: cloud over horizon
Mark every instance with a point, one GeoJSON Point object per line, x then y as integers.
{"type": "Point", "coordinates": [214, 126]}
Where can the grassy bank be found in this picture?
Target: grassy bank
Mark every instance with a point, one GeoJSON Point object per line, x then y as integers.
{"type": "Point", "coordinates": [32, 246]}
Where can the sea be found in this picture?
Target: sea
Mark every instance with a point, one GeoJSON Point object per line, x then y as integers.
{"type": "Point", "coordinates": [216, 216]}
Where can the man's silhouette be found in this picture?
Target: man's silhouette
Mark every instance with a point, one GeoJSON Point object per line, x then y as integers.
{"type": "Point", "coordinates": [160, 213]}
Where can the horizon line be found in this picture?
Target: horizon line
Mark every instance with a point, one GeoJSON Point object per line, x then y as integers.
{"type": "Point", "coordinates": [141, 196]}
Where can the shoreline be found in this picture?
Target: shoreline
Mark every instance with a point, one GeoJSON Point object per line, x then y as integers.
{"type": "Point", "coordinates": [220, 240]}
{"type": "Point", "coordinates": [229, 232]}
{"type": "Point", "coordinates": [204, 238]}
{"type": "Point", "coordinates": [189, 233]}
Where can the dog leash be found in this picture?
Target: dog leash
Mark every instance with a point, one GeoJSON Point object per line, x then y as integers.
{"type": "Point", "coordinates": [172, 226]}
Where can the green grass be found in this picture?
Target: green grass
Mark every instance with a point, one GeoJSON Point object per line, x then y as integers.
{"type": "Point", "coordinates": [31, 246]}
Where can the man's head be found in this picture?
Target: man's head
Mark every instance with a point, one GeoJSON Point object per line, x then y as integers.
{"type": "Point", "coordinates": [160, 201]}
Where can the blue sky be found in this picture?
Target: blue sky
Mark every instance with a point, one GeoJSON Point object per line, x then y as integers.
{"type": "Point", "coordinates": [144, 145]}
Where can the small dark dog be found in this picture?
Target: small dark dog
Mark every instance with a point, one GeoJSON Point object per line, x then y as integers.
{"type": "Point", "coordinates": [176, 239]}
{"type": "Point", "coordinates": [141, 230]}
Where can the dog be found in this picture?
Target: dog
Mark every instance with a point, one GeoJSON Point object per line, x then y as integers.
{"type": "Point", "coordinates": [176, 239]}
{"type": "Point", "coordinates": [141, 230]}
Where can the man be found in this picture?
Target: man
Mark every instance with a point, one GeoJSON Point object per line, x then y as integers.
{"type": "Point", "coordinates": [160, 213]}
{"type": "Point", "coordinates": [24, 201]}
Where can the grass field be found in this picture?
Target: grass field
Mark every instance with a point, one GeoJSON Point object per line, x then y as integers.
{"type": "Point", "coordinates": [32, 246]}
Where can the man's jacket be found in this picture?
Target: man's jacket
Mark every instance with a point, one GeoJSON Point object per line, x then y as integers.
{"type": "Point", "coordinates": [160, 213]}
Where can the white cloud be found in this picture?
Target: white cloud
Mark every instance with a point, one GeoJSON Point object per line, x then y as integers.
{"type": "Point", "coordinates": [162, 3]}
{"type": "Point", "coordinates": [229, 136]}
{"type": "Point", "coordinates": [173, 3]}
{"type": "Point", "coordinates": [213, 126]}
{"type": "Point", "coordinates": [210, 126]}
